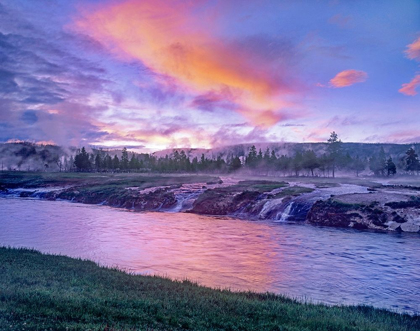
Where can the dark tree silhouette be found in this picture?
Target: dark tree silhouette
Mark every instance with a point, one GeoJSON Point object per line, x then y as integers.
{"type": "Point", "coordinates": [81, 160]}
{"type": "Point", "coordinates": [390, 167]}
{"type": "Point", "coordinates": [334, 150]}
{"type": "Point", "coordinates": [412, 161]}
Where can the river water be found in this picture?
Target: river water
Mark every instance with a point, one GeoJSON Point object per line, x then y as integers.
{"type": "Point", "coordinates": [333, 266]}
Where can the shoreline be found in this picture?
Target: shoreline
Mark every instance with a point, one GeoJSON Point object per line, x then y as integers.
{"type": "Point", "coordinates": [339, 202]}
{"type": "Point", "coordinates": [55, 291]}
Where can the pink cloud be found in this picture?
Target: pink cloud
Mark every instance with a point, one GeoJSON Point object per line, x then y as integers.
{"type": "Point", "coordinates": [348, 78]}
{"type": "Point", "coordinates": [410, 88]}
{"type": "Point", "coordinates": [413, 50]}
{"type": "Point", "coordinates": [169, 38]}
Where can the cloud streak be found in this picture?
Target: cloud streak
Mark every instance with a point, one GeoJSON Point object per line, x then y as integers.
{"type": "Point", "coordinates": [413, 50]}
{"type": "Point", "coordinates": [410, 88]}
{"type": "Point", "coordinates": [348, 77]}
{"type": "Point", "coordinates": [413, 53]}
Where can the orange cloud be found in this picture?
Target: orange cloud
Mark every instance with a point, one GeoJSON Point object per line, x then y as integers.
{"type": "Point", "coordinates": [171, 38]}
{"type": "Point", "coordinates": [348, 77]}
{"type": "Point", "coordinates": [410, 88]}
{"type": "Point", "coordinates": [413, 50]}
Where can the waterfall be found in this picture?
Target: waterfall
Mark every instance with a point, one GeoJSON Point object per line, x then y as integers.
{"type": "Point", "coordinates": [186, 195]}
{"type": "Point", "coordinates": [286, 213]}
{"type": "Point", "coordinates": [270, 209]}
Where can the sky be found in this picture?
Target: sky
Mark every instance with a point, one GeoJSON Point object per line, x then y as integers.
{"type": "Point", "coordinates": [157, 74]}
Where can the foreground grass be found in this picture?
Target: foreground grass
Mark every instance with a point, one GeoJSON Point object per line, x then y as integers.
{"type": "Point", "coordinates": [45, 292]}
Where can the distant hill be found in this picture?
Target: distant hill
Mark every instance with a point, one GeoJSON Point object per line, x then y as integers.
{"type": "Point", "coordinates": [36, 157]}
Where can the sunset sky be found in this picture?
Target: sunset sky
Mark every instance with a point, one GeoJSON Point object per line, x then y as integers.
{"type": "Point", "coordinates": [156, 74]}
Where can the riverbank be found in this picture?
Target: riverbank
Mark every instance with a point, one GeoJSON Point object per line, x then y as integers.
{"type": "Point", "coordinates": [391, 204]}
{"type": "Point", "coordinates": [55, 292]}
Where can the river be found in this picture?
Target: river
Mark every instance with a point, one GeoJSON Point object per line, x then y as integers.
{"type": "Point", "coordinates": [333, 266]}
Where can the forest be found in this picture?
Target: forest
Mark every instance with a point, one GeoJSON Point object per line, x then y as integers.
{"type": "Point", "coordinates": [300, 163]}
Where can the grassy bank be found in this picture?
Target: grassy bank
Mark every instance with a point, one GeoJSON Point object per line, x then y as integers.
{"type": "Point", "coordinates": [43, 292]}
{"type": "Point", "coordinates": [18, 179]}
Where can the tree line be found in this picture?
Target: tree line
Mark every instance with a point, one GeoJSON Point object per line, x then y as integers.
{"type": "Point", "coordinates": [302, 162]}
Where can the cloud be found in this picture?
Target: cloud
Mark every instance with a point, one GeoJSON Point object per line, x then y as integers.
{"type": "Point", "coordinates": [214, 100]}
{"type": "Point", "coordinates": [413, 53]}
{"type": "Point", "coordinates": [169, 37]}
{"type": "Point", "coordinates": [410, 88]}
{"type": "Point", "coordinates": [45, 89]}
{"type": "Point", "coordinates": [344, 121]}
{"type": "Point", "coordinates": [405, 136]}
{"type": "Point", "coordinates": [348, 78]}
{"type": "Point", "coordinates": [413, 50]}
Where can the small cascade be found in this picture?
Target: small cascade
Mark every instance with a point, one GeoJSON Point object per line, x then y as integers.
{"type": "Point", "coordinates": [186, 195]}
{"type": "Point", "coordinates": [271, 208]}
{"type": "Point", "coordinates": [39, 193]}
{"type": "Point", "coordinates": [286, 213]}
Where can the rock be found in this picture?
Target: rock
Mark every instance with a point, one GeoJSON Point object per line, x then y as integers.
{"type": "Point", "coordinates": [26, 194]}
{"type": "Point", "coordinates": [393, 226]}
{"type": "Point", "coordinates": [399, 219]}
{"type": "Point", "coordinates": [410, 227]}
{"type": "Point", "coordinates": [332, 213]}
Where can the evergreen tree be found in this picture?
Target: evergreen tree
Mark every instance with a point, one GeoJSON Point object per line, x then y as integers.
{"type": "Point", "coordinates": [134, 163]}
{"type": "Point", "coordinates": [98, 162]}
{"type": "Point", "coordinates": [273, 157]}
{"type": "Point", "coordinates": [115, 162]}
{"type": "Point", "coordinates": [310, 161]}
{"type": "Point", "coordinates": [235, 164]}
{"type": "Point", "coordinates": [251, 160]}
{"type": "Point", "coordinates": [297, 162]}
{"type": "Point", "coordinates": [334, 150]}
{"type": "Point", "coordinates": [194, 164]}
{"type": "Point", "coordinates": [377, 163]}
{"type": "Point", "coordinates": [82, 160]}
{"type": "Point", "coordinates": [108, 162]}
{"type": "Point", "coordinates": [390, 167]}
{"type": "Point", "coordinates": [260, 155]}
{"type": "Point", "coordinates": [124, 159]}
{"type": "Point", "coordinates": [412, 161]}
{"type": "Point", "coordinates": [266, 156]}
{"type": "Point", "coordinates": [358, 165]}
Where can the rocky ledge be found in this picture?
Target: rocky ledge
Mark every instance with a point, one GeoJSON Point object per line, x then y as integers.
{"type": "Point", "coordinates": [160, 198]}
{"type": "Point", "coordinates": [374, 210]}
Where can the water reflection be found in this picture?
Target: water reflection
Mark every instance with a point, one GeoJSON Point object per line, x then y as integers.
{"type": "Point", "coordinates": [321, 264]}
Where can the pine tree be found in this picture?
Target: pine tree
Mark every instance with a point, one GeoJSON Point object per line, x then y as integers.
{"type": "Point", "coordinates": [334, 150]}
{"type": "Point", "coordinates": [358, 165]}
{"type": "Point", "coordinates": [390, 167]}
{"type": "Point", "coordinates": [297, 162]}
{"type": "Point", "coordinates": [310, 161]}
{"type": "Point", "coordinates": [115, 163]}
{"type": "Point", "coordinates": [98, 162]}
{"type": "Point", "coordinates": [82, 160]}
{"type": "Point", "coordinates": [412, 161]}
{"type": "Point", "coordinates": [124, 159]}
{"type": "Point", "coordinates": [251, 160]}
{"type": "Point", "coordinates": [235, 163]}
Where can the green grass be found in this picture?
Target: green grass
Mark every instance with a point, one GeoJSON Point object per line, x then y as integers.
{"type": "Point", "coordinates": [15, 179]}
{"type": "Point", "coordinates": [258, 185]}
{"type": "Point", "coordinates": [45, 292]}
{"type": "Point", "coordinates": [293, 191]}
